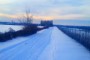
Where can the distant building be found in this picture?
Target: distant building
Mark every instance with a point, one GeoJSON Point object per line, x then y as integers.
{"type": "Point", "coordinates": [47, 23]}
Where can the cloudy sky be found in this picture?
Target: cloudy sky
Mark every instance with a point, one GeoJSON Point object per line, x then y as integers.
{"type": "Point", "coordinates": [47, 9]}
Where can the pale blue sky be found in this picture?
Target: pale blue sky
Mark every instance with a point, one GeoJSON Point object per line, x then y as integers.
{"type": "Point", "coordinates": [47, 9]}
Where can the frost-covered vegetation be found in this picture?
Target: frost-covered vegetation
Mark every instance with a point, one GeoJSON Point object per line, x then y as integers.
{"type": "Point", "coordinates": [79, 33]}
{"type": "Point", "coordinates": [28, 29]}
{"type": "Point", "coordinates": [25, 31]}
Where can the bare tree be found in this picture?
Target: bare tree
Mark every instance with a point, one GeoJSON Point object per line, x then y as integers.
{"type": "Point", "coordinates": [26, 17]}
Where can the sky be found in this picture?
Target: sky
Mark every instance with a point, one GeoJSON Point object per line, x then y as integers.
{"type": "Point", "coordinates": [46, 9]}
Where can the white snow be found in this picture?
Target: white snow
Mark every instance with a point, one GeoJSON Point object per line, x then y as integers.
{"type": "Point", "coordinates": [9, 43]}
{"type": "Point", "coordinates": [5, 28]}
{"type": "Point", "coordinates": [63, 47]}
{"type": "Point", "coordinates": [48, 44]}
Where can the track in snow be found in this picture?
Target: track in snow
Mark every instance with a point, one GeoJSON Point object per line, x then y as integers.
{"type": "Point", "coordinates": [50, 44]}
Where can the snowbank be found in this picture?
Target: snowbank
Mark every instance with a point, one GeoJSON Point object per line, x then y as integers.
{"type": "Point", "coordinates": [5, 28]}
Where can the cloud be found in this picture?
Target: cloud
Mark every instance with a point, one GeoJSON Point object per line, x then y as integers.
{"type": "Point", "coordinates": [2, 2]}
{"type": "Point", "coordinates": [47, 9]}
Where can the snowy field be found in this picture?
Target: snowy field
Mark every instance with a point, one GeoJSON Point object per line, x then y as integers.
{"type": "Point", "coordinates": [48, 44]}
{"type": "Point", "coordinates": [5, 28]}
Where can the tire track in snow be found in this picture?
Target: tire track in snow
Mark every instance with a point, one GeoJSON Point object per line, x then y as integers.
{"type": "Point", "coordinates": [31, 50]}
{"type": "Point", "coordinates": [16, 50]}
{"type": "Point", "coordinates": [63, 47]}
{"type": "Point", "coordinates": [51, 44]}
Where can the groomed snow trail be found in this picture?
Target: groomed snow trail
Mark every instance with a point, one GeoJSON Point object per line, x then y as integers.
{"type": "Point", "coordinates": [49, 44]}
{"type": "Point", "coordinates": [63, 47]}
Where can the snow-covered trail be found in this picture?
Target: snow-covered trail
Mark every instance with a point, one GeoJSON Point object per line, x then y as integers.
{"type": "Point", "coordinates": [29, 49]}
{"type": "Point", "coordinates": [49, 44]}
{"type": "Point", "coordinates": [63, 47]}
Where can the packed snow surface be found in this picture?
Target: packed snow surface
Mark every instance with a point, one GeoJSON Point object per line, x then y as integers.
{"type": "Point", "coordinates": [48, 44]}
